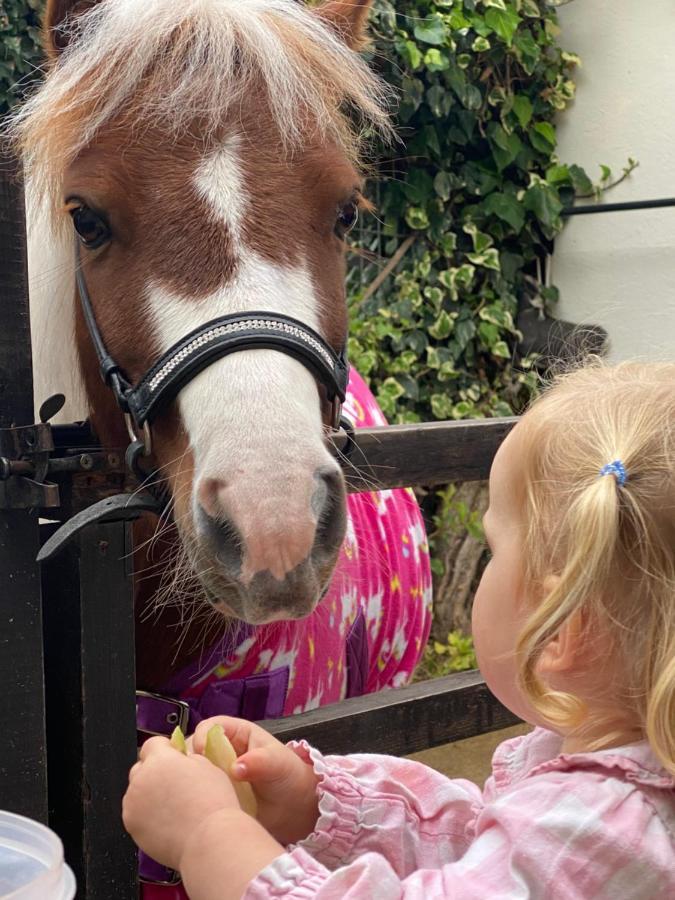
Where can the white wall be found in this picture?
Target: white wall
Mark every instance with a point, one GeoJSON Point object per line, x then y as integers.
{"type": "Point", "coordinates": [618, 269]}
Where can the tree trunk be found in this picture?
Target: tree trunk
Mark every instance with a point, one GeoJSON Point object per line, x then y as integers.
{"type": "Point", "coordinates": [461, 555]}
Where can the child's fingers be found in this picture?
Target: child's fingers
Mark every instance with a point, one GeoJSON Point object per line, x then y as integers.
{"type": "Point", "coordinates": [133, 771]}
{"type": "Point", "coordinates": [264, 765]}
{"type": "Point", "coordinates": [240, 733]}
{"type": "Point", "coordinates": [154, 745]}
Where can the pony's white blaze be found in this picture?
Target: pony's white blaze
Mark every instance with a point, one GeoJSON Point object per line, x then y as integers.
{"type": "Point", "coordinates": [220, 182]}
{"type": "Point", "coordinates": [253, 418]}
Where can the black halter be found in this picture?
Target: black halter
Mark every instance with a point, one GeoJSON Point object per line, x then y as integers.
{"type": "Point", "coordinates": [142, 403]}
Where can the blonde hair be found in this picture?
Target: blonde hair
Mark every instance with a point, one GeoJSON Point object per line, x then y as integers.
{"type": "Point", "coordinates": [611, 546]}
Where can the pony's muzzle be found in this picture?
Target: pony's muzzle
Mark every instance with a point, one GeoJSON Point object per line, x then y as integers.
{"type": "Point", "coordinates": [271, 555]}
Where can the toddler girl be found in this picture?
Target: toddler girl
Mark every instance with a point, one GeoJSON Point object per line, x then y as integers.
{"type": "Point", "coordinates": [574, 625]}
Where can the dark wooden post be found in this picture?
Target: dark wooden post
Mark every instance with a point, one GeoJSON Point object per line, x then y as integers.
{"type": "Point", "coordinates": [23, 776]}
{"type": "Point", "coordinates": [91, 707]}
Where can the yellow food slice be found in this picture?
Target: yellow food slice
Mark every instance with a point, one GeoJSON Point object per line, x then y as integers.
{"type": "Point", "coordinates": [221, 753]}
{"type": "Point", "coordinates": [178, 741]}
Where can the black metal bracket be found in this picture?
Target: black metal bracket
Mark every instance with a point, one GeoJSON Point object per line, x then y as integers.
{"type": "Point", "coordinates": [121, 508]}
{"type": "Point", "coordinates": [24, 463]}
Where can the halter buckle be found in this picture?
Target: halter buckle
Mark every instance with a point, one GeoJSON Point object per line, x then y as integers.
{"type": "Point", "coordinates": [336, 413]}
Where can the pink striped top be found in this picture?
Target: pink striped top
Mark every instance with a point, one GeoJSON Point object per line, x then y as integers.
{"type": "Point", "coordinates": [546, 825]}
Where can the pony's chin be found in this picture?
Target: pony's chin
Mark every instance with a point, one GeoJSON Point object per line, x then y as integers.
{"type": "Point", "coordinates": [258, 607]}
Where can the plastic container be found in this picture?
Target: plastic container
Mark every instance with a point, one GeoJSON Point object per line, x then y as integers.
{"type": "Point", "coordinates": [31, 862]}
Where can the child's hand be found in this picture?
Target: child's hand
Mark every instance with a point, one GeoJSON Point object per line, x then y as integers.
{"type": "Point", "coordinates": [284, 785]}
{"type": "Point", "coordinates": [169, 797]}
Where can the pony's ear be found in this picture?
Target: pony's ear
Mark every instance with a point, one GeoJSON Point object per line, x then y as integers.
{"type": "Point", "coordinates": [349, 18]}
{"type": "Point", "coordinates": [57, 13]}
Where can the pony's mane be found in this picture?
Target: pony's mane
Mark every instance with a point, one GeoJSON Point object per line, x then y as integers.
{"type": "Point", "coordinates": [179, 60]}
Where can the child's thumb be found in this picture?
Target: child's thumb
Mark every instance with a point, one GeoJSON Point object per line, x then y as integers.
{"type": "Point", "coordinates": [263, 765]}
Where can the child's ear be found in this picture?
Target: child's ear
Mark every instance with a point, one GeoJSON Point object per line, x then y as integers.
{"type": "Point", "coordinates": [349, 18]}
{"type": "Point", "coordinates": [562, 651]}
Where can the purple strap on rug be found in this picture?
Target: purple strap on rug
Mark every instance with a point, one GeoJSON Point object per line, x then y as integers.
{"type": "Point", "coordinates": [154, 872]}
{"type": "Point", "coordinates": [357, 657]}
{"type": "Point", "coordinates": [255, 697]}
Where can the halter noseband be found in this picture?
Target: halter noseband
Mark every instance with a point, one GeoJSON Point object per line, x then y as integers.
{"type": "Point", "coordinates": [142, 403]}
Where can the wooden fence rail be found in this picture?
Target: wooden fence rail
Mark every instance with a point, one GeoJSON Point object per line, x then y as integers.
{"type": "Point", "coordinates": [402, 721]}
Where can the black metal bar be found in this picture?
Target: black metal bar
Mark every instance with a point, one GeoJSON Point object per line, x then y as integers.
{"type": "Point", "coordinates": [628, 206]}
{"type": "Point", "coordinates": [89, 616]}
{"type": "Point", "coordinates": [23, 767]}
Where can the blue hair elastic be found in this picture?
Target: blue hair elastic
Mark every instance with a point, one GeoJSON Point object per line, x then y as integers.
{"type": "Point", "coordinates": [617, 469]}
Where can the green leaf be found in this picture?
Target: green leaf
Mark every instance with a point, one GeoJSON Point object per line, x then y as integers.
{"type": "Point", "coordinates": [543, 137]}
{"type": "Point", "coordinates": [504, 22]}
{"type": "Point", "coordinates": [435, 61]}
{"type": "Point", "coordinates": [527, 51]}
{"type": "Point", "coordinates": [432, 31]}
{"type": "Point", "coordinates": [501, 350]}
{"type": "Point", "coordinates": [411, 53]}
{"type": "Point", "coordinates": [456, 278]}
{"type": "Point", "coordinates": [558, 175]}
{"type": "Point", "coordinates": [439, 100]}
{"type": "Point", "coordinates": [481, 45]}
{"type": "Point", "coordinates": [448, 243]}
{"type": "Point", "coordinates": [390, 389]}
{"type": "Point", "coordinates": [441, 406]}
{"type": "Point", "coordinates": [443, 185]}
{"type": "Point", "coordinates": [488, 259]}
{"type": "Point", "coordinates": [488, 333]}
{"type": "Point", "coordinates": [523, 109]}
{"type": "Point", "coordinates": [433, 359]}
{"type": "Point", "coordinates": [417, 218]}
{"type": "Point", "coordinates": [580, 180]}
{"type": "Point", "coordinates": [465, 330]}
{"type": "Point", "coordinates": [418, 187]}
{"type": "Point", "coordinates": [462, 410]}
{"type": "Point", "coordinates": [442, 327]}
{"type": "Point", "coordinates": [497, 315]}
{"type": "Point", "coordinates": [544, 203]}
{"type": "Point", "coordinates": [481, 241]}
{"type": "Point", "coordinates": [507, 207]}
{"type": "Point", "coordinates": [506, 146]}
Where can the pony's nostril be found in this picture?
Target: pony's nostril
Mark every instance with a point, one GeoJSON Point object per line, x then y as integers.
{"type": "Point", "coordinates": [328, 504]}
{"type": "Point", "coordinates": [224, 540]}
{"type": "Point", "coordinates": [208, 492]}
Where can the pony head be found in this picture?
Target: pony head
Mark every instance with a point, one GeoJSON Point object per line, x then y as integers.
{"type": "Point", "coordinates": [204, 155]}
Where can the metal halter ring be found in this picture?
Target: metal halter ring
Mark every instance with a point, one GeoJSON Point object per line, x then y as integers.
{"type": "Point", "coordinates": [147, 434]}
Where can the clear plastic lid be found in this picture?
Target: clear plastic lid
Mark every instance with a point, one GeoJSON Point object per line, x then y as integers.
{"type": "Point", "coordinates": [31, 862]}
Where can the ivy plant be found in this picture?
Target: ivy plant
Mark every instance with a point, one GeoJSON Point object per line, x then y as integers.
{"type": "Point", "coordinates": [20, 51]}
{"type": "Point", "coordinates": [455, 654]}
{"type": "Point", "coordinates": [473, 195]}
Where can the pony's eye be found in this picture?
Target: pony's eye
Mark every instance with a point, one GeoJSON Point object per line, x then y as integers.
{"type": "Point", "coordinates": [93, 231]}
{"type": "Point", "coordinates": [348, 216]}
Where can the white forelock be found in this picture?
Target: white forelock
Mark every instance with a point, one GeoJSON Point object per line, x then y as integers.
{"type": "Point", "coordinates": [179, 60]}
